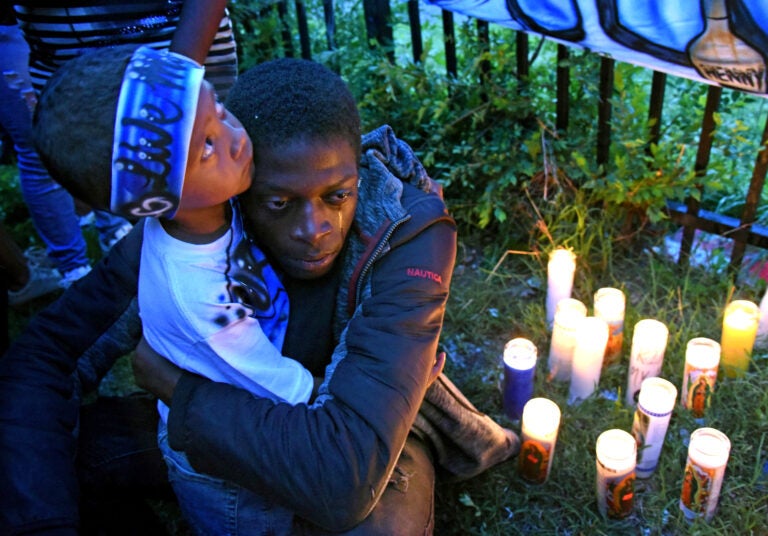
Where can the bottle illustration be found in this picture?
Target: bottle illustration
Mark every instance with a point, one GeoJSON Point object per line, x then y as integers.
{"type": "Point", "coordinates": [723, 57]}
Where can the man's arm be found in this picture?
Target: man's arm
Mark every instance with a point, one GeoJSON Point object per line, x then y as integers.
{"type": "Point", "coordinates": [197, 27]}
{"type": "Point", "coordinates": [329, 462]}
{"type": "Point", "coordinates": [38, 401]}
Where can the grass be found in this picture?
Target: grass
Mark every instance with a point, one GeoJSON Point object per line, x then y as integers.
{"type": "Point", "coordinates": [497, 296]}
{"type": "Point", "coordinates": [490, 305]}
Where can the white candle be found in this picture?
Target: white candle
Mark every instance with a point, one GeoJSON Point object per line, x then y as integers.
{"type": "Point", "coordinates": [616, 453]}
{"type": "Point", "coordinates": [609, 305]}
{"type": "Point", "coordinates": [567, 315]}
{"type": "Point", "coordinates": [591, 338]}
{"type": "Point", "coordinates": [761, 339]}
{"type": "Point", "coordinates": [541, 420]}
{"type": "Point", "coordinates": [560, 271]}
{"type": "Point", "coordinates": [654, 408]}
{"type": "Point", "coordinates": [708, 453]}
{"type": "Point", "coordinates": [649, 343]}
{"type": "Point", "coordinates": [702, 357]}
{"type": "Point", "coordinates": [738, 339]}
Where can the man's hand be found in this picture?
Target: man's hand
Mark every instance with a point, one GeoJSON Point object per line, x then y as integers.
{"type": "Point", "coordinates": [154, 373]}
{"type": "Point", "coordinates": [437, 369]}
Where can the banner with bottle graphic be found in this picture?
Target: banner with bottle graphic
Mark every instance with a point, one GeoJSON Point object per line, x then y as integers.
{"type": "Point", "coordinates": [722, 42]}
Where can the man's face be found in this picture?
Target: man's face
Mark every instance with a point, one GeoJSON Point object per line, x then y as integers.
{"type": "Point", "coordinates": [302, 203]}
{"type": "Point", "coordinates": [219, 165]}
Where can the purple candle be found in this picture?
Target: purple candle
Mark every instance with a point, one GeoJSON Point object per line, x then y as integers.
{"type": "Point", "coordinates": [519, 368]}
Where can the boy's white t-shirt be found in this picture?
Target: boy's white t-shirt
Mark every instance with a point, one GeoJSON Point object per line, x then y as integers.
{"type": "Point", "coordinates": [192, 313]}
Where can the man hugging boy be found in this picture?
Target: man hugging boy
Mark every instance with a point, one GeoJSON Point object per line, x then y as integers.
{"type": "Point", "coordinates": [140, 133]}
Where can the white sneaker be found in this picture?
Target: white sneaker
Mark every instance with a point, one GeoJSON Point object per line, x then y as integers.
{"type": "Point", "coordinates": [73, 275]}
{"type": "Point", "coordinates": [39, 257]}
{"type": "Point", "coordinates": [106, 243]}
{"type": "Point", "coordinates": [42, 280]}
{"type": "Point", "coordinates": [86, 220]}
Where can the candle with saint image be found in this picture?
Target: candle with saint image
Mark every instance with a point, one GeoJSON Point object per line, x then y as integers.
{"type": "Point", "coordinates": [616, 453]}
{"type": "Point", "coordinates": [649, 343]}
{"type": "Point", "coordinates": [519, 367]}
{"type": "Point", "coordinates": [654, 408]}
{"type": "Point", "coordinates": [609, 304]}
{"type": "Point", "coordinates": [541, 420]}
{"type": "Point", "coordinates": [567, 315]}
{"type": "Point", "coordinates": [702, 357]}
{"type": "Point", "coordinates": [708, 453]}
{"type": "Point", "coordinates": [560, 271]}
{"type": "Point", "coordinates": [591, 338]}
{"type": "Point", "coordinates": [738, 339]}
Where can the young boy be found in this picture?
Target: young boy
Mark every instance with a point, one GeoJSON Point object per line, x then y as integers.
{"type": "Point", "coordinates": [208, 299]}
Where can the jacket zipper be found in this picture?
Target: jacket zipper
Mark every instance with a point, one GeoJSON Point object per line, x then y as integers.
{"type": "Point", "coordinates": [375, 255]}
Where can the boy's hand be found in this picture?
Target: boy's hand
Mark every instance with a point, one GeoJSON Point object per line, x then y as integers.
{"type": "Point", "coordinates": [154, 373]}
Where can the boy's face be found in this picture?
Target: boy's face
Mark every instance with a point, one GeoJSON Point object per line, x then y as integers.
{"type": "Point", "coordinates": [302, 203]}
{"type": "Point", "coordinates": [220, 162]}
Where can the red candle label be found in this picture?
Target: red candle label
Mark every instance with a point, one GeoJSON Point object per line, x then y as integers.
{"type": "Point", "coordinates": [533, 461]}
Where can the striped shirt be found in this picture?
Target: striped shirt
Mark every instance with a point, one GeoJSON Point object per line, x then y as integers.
{"type": "Point", "coordinates": [57, 34]}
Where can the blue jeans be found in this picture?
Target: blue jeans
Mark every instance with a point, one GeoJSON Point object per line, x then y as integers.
{"type": "Point", "coordinates": [214, 506]}
{"type": "Point", "coordinates": [119, 465]}
{"type": "Point", "coordinates": [51, 207]}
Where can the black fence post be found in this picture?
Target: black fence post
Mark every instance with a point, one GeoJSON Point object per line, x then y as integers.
{"type": "Point", "coordinates": [655, 107]}
{"type": "Point", "coordinates": [521, 55]}
{"type": "Point", "coordinates": [285, 32]}
{"type": "Point", "coordinates": [330, 24]}
{"type": "Point", "coordinates": [414, 18]}
{"type": "Point", "coordinates": [378, 26]}
{"type": "Point", "coordinates": [604, 111]}
{"type": "Point", "coordinates": [562, 106]}
{"type": "Point", "coordinates": [702, 161]}
{"type": "Point", "coordinates": [301, 19]}
{"type": "Point", "coordinates": [750, 206]}
{"type": "Point", "coordinates": [449, 38]}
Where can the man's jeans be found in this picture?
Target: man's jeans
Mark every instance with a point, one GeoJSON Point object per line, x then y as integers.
{"type": "Point", "coordinates": [51, 207]}
{"type": "Point", "coordinates": [214, 506]}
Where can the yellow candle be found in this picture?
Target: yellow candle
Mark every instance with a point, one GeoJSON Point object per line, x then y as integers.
{"type": "Point", "coordinates": [738, 339]}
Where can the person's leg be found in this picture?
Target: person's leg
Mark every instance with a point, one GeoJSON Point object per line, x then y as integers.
{"type": "Point", "coordinates": [23, 279]}
{"type": "Point", "coordinates": [111, 228]}
{"type": "Point", "coordinates": [214, 506]}
{"type": "Point", "coordinates": [407, 506]}
{"type": "Point", "coordinates": [50, 206]}
{"type": "Point", "coordinates": [120, 466]}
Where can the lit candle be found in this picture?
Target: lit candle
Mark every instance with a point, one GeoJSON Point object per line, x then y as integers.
{"type": "Point", "coordinates": [649, 342]}
{"type": "Point", "coordinates": [560, 271]}
{"type": "Point", "coordinates": [591, 338]}
{"type": "Point", "coordinates": [609, 305]}
{"type": "Point", "coordinates": [616, 453]}
{"type": "Point", "coordinates": [761, 339]}
{"type": "Point", "coordinates": [541, 419]}
{"type": "Point", "coordinates": [654, 408]}
{"type": "Point", "coordinates": [708, 453]}
{"type": "Point", "coordinates": [739, 332]}
{"type": "Point", "coordinates": [519, 368]}
{"type": "Point", "coordinates": [567, 315]}
{"type": "Point", "coordinates": [702, 357]}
